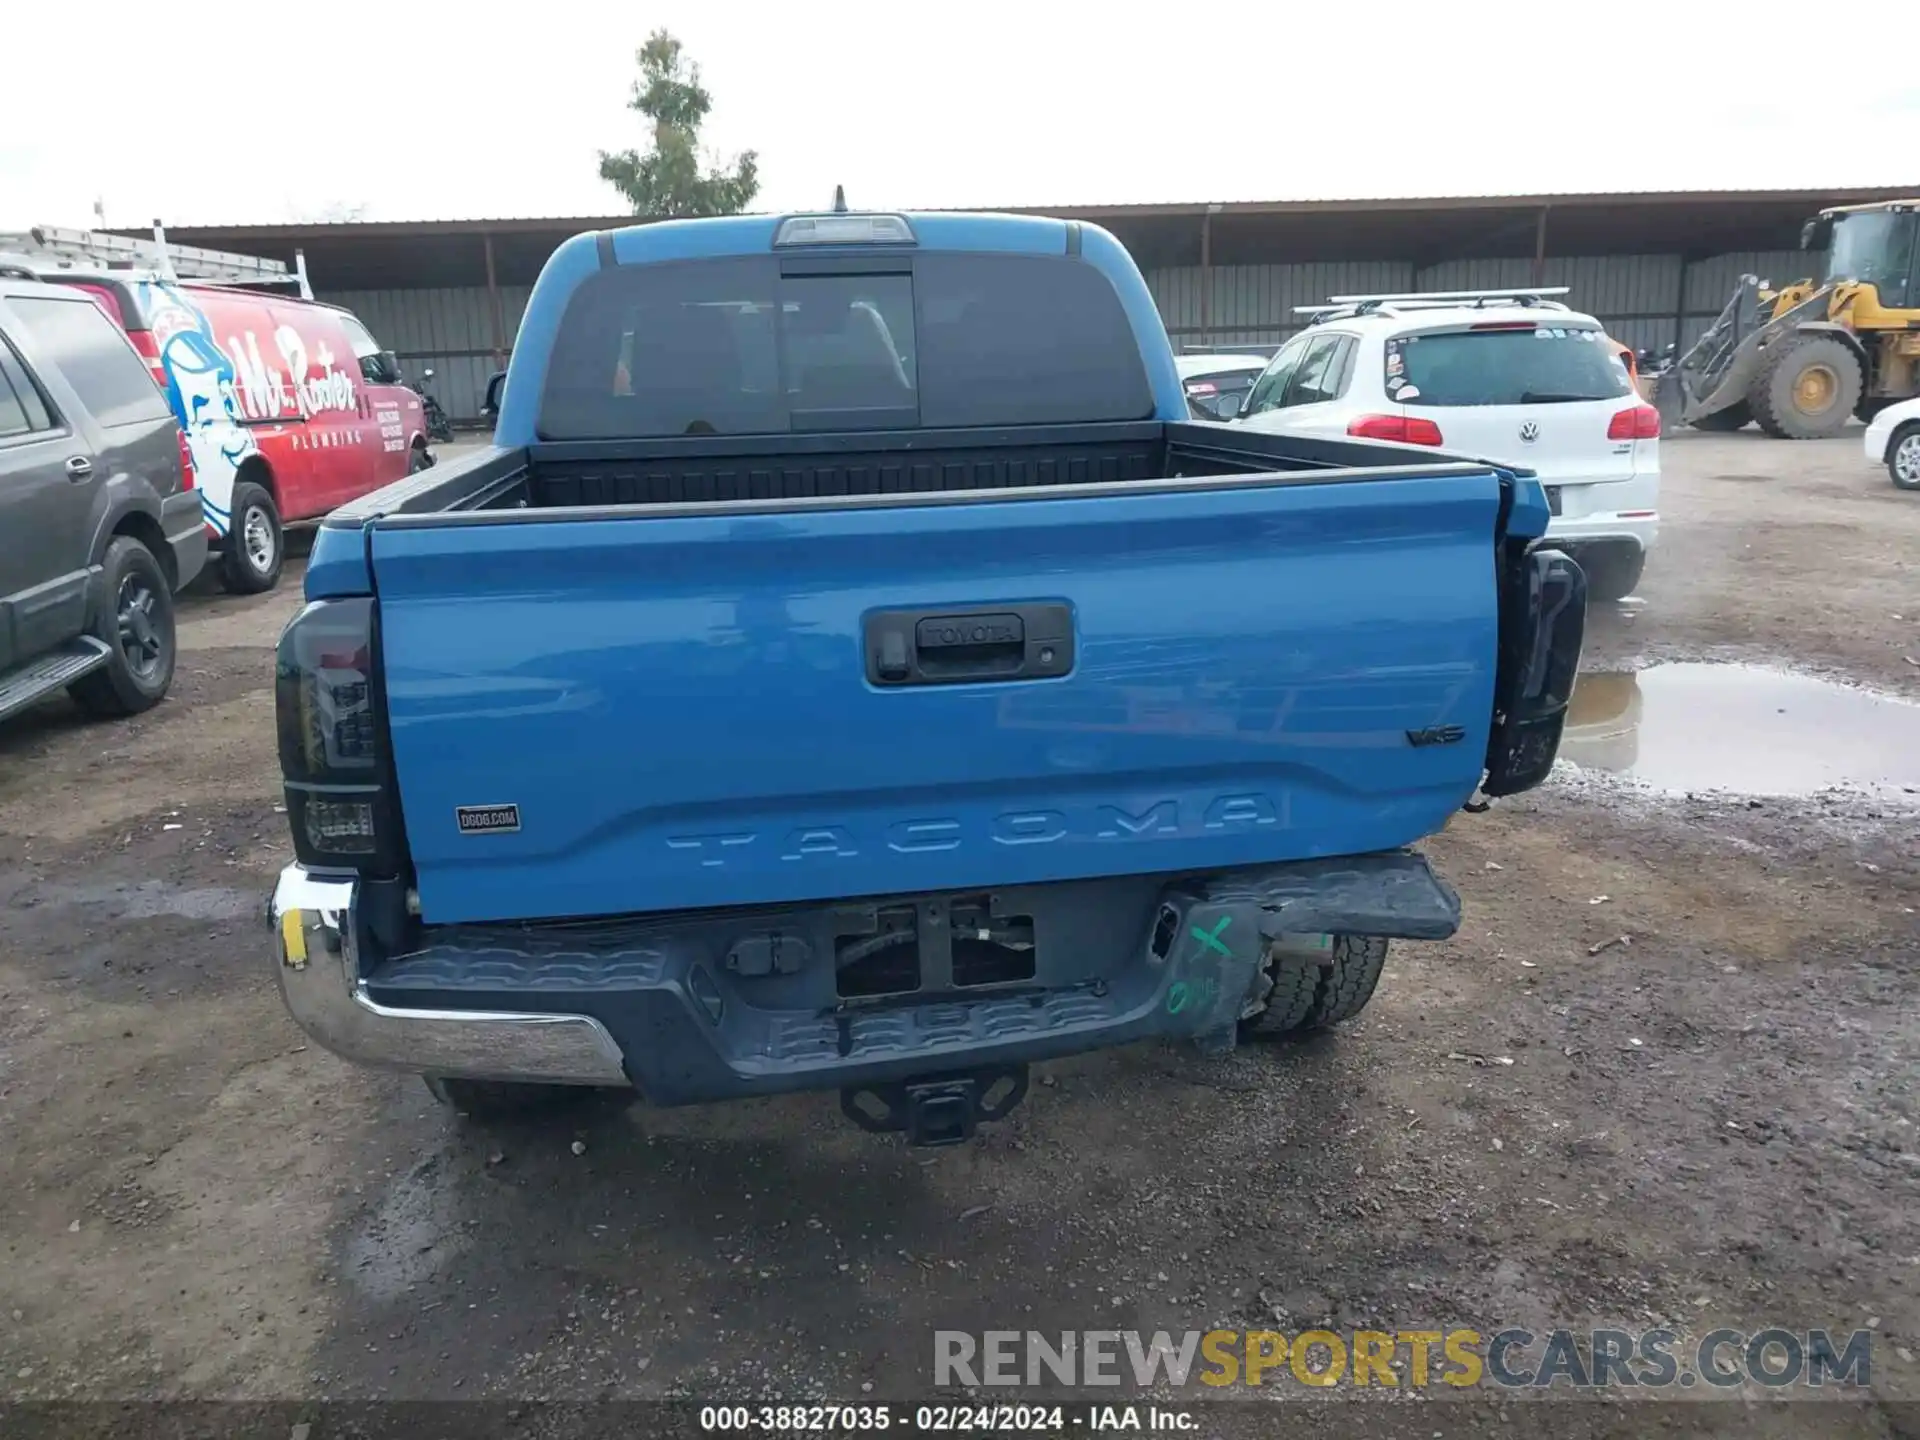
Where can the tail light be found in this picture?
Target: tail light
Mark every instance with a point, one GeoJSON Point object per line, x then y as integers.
{"type": "Point", "coordinates": [149, 349]}
{"type": "Point", "coordinates": [335, 755]}
{"type": "Point", "coordinates": [1543, 622]}
{"type": "Point", "coordinates": [1639, 422]}
{"type": "Point", "coordinates": [144, 342]}
{"type": "Point", "coordinates": [1407, 429]}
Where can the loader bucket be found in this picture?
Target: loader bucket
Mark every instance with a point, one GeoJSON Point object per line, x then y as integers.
{"type": "Point", "coordinates": [1714, 374]}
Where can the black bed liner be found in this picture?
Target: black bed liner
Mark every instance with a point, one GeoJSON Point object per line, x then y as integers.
{"type": "Point", "coordinates": [926, 465]}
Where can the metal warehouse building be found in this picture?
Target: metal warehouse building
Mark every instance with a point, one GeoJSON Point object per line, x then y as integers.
{"type": "Point", "coordinates": [1656, 267]}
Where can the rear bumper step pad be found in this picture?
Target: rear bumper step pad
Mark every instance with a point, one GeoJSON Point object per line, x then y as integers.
{"type": "Point", "coordinates": [645, 1003]}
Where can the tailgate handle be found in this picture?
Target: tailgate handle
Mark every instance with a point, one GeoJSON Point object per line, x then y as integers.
{"type": "Point", "coordinates": [969, 644]}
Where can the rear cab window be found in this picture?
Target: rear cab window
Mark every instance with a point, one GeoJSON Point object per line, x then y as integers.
{"type": "Point", "coordinates": [94, 355]}
{"type": "Point", "coordinates": [1504, 363]}
{"type": "Point", "coordinates": [938, 340]}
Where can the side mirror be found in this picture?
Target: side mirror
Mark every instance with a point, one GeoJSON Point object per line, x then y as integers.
{"type": "Point", "coordinates": [389, 367]}
{"type": "Point", "coordinates": [490, 405]}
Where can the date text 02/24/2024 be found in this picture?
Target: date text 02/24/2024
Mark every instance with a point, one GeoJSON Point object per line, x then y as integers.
{"type": "Point", "coordinates": [942, 1419]}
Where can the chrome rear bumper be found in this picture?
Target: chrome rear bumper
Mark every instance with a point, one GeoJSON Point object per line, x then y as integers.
{"type": "Point", "coordinates": [643, 1001]}
{"type": "Point", "coordinates": [319, 977]}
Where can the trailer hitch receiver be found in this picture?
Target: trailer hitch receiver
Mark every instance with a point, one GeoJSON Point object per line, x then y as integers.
{"type": "Point", "coordinates": [937, 1109]}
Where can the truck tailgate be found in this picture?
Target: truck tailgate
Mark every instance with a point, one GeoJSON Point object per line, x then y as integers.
{"type": "Point", "coordinates": [609, 714]}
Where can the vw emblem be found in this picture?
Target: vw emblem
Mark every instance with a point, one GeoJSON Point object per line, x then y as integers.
{"type": "Point", "coordinates": [1530, 431]}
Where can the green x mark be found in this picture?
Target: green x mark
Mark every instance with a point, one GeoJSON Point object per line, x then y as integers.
{"type": "Point", "coordinates": [1211, 938]}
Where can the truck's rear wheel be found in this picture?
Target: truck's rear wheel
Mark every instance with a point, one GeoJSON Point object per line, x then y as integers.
{"type": "Point", "coordinates": [1808, 388]}
{"type": "Point", "coordinates": [1735, 417]}
{"type": "Point", "coordinates": [1309, 990]}
{"type": "Point", "coordinates": [489, 1100]}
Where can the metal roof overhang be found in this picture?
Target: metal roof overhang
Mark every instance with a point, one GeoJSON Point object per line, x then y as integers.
{"type": "Point", "coordinates": [408, 254]}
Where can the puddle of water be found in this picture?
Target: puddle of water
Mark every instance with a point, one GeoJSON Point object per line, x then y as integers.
{"type": "Point", "coordinates": [1745, 730]}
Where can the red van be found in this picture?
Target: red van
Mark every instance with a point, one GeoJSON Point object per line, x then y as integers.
{"type": "Point", "coordinates": [289, 406]}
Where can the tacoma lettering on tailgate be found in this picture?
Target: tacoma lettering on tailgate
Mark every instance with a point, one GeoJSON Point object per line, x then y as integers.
{"type": "Point", "coordinates": [1241, 811]}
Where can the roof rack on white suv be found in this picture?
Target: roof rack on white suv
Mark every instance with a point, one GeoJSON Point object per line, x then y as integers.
{"type": "Point", "coordinates": [1346, 306]}
{"type": "Point", "coordinates": [1255, 348]}
{"type": "Point", "coordinates": [29, 253]}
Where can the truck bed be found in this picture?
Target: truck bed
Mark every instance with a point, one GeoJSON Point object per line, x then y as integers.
{"type": "Point", "coordinates": [725, 470]}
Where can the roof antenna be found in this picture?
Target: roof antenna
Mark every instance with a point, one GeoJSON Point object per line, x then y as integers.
{"type": "Point", "coordinates": [839, 199]}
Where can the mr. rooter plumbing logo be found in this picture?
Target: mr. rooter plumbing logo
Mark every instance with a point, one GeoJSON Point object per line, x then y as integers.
{"type": "Point", "coordinates": [1513, 1358]}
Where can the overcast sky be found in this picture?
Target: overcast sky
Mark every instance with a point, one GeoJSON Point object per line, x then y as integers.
{"type": "Point", "coordinates": [307, 109]}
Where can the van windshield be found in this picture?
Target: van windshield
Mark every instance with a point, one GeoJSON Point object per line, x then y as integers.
{"type": "Point", "coordinates": [733, 347]}
{"type": "Point", "coordinates": [1535, 365]}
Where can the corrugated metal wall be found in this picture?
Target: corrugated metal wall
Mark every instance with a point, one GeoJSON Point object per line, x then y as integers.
{"type": "Point", "coordinates": [1636, 296]}
{"type": "Point", "coordinates": [1254, 303]}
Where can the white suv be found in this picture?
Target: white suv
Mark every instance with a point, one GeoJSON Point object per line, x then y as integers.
{"type": "Point", "coordinates": [1508, 376]}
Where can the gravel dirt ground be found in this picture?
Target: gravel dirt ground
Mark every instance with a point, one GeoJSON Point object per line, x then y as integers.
{"type": "Point", "coordinates": [1708, 1118]}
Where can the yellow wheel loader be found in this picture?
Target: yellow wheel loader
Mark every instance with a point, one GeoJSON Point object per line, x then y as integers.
{"type": "Point", "coordinates": [1803, 358]}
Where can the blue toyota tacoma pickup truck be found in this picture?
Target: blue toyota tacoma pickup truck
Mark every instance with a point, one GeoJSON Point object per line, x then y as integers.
{"type": "Point", "coordinates": [850, 669]}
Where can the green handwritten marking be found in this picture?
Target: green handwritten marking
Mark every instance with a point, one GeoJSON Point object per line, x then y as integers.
{"type": "Point", "coordinates": [1211, 938]}
{"type": "Point", "coordinates": [1177, 997]}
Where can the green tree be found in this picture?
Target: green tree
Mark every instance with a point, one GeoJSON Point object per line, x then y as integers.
{"type": "Point", "coordinates": [668, 181]}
